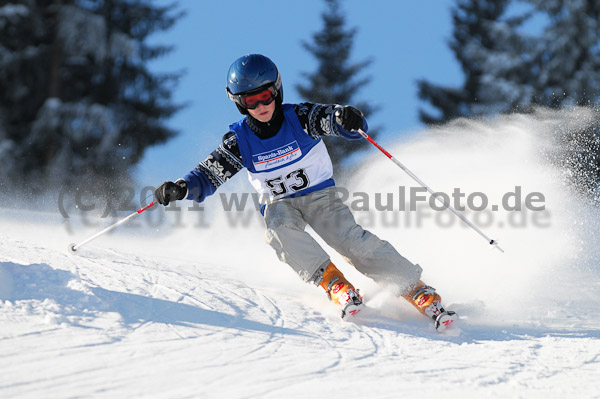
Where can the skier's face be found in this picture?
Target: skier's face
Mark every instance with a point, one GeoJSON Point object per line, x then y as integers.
{"type": "Point", "coordinates": [263, 113]}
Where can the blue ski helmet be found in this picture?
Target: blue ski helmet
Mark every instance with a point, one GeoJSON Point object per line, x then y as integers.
{"type": "Point", "coordinates": [250, 74]}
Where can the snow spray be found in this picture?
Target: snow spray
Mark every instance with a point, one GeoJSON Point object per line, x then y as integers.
{"type": "Point", "coordinates": [552, 250]}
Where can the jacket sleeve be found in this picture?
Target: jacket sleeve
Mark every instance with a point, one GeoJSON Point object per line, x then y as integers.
{"type": "Point", "coordinates": [215, 170]}
{"type": "Point", "coordinates": [318, 120]}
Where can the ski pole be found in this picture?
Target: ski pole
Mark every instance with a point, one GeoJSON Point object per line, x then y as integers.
{"type": "Point", "coordinates": [492, 242]}
{"type": "Point", "coordinates": [74, 247]}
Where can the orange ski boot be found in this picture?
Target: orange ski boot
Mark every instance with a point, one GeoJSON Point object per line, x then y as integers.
{"type": "Point", "coordinates": [340, 291]}
{"type": "Point", "coordinates": [429, 302]}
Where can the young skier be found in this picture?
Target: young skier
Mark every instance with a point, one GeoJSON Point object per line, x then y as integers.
{"type": "Point", "coordinates": [287, 162]}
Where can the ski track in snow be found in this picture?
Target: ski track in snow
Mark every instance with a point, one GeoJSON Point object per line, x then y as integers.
{"type": "Point", "coordinates": [187, 317]}
{"type": "Point", "coordinates": [111, 324]}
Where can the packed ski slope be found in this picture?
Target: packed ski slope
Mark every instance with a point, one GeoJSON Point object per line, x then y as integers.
{"type": "Point", "coordinates": [194, 304]}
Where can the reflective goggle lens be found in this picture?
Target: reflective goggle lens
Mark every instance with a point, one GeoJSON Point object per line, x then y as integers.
{"type": "Point", "coordinates": [264, 97]}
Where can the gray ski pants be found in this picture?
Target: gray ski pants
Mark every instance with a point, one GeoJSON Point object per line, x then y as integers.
{"type": "Point", "coordinates": [325, 212]}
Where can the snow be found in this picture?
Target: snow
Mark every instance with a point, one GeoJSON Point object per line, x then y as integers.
{"type": "Point", "coordinates": [167, 307]}
{"type": "Point", "coordinates": [13, 11]}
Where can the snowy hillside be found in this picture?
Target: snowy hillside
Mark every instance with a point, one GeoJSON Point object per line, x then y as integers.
{"type": "Point", "coordinates": [168, 307]}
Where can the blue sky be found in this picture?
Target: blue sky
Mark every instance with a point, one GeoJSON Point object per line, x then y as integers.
{"type": "Point", "coordinates": [406, 41]}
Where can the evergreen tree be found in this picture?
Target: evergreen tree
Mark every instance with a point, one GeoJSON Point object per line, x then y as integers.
{"type": "Point", "coordinates": [336, 79]}
{"type": "Point", "coordinates": [495, 59]}
{"type": "Point", "coordinates": [568, 55]}
{"type": "Point", "coordinates": [567, 66]}
{"type": "Point", "coordinates": [77, 101]}
{"type": "Point", "coordinates": [507, 69]}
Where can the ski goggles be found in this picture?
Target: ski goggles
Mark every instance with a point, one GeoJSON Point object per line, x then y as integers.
{"type": "Point", "coordinates": [252, 101]}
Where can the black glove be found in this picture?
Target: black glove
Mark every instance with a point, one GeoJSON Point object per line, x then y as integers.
{"type": "Point", "coordinates": [349, 118]}
{"type": "Point", "coordinates": [169, 191]}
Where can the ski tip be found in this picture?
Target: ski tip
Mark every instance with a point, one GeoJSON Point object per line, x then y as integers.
{"type": "Point", "coordinates": [351, 311]}
{"type": "Point", "coordinates": [72, 249]}
{"type": "Point", "coordinates": [446, 324]}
